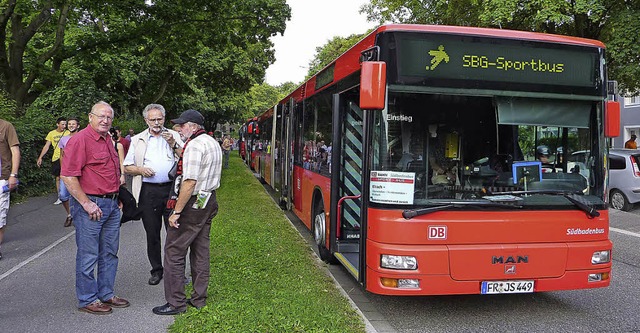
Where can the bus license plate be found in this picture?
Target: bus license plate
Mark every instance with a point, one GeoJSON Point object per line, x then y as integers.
{"type": "Point", "coordinates": [507, 287]}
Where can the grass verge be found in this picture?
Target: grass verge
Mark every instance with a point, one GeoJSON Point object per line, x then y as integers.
{"type": "Point", "coordinates": [264, 277]}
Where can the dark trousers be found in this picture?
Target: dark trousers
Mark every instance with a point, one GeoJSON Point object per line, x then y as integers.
{"type": "Point", "coordinates": [193, 234]}
{"type": "Point", "coordinates": [153, 199]}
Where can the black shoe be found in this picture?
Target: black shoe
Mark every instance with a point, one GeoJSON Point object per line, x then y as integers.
{"type": "Point", "coordinates": [155, 279]}
{"type": "Point", "coordinates": [167, 309]}
{"type": "Point", "coordinates": [193, 305]}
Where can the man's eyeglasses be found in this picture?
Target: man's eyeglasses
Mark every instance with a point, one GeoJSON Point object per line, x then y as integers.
{"type": "Point", "coordinates": [156, 120]}
{"type": "Point", "coordinates": [101, 118]}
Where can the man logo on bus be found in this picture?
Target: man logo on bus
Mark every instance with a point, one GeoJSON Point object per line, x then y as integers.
{"type": "Point", "coordinates": [438, 55]}
{"type": "Point", "coordinates": [509, 269]}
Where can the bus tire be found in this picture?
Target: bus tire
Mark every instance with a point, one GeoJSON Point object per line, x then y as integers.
{"type": "Point", "coordinates": [319, 233]}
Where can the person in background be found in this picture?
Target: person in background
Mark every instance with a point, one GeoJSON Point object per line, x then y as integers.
{"type": "Point", "coordinates": [242, 150]}
{"type": "Point", "coordinates": [115, 139]}
{"type": "Point", "coordinates": [52, 139]}
{"type": "Point", "coordinates": [226, 149]}
{"type": "Point", "coordinates": [542, 154]}
{"type": "Point", "coordinates": [63, 194]}
{"type": "Point", "coordinates": [9, 165]}
{"type": "Point", "coordinates": [130, 134]}
{"type": "Point", "coordinates": [631, 143]}
{"type": "Point", "coordinates": [92, 176]}
{"type": "Point", "coordinates": [124, 142]}
{"type": "Point", "coordinates": [197, 178]}
{"type": "Point", "coordinates": [149, 160]}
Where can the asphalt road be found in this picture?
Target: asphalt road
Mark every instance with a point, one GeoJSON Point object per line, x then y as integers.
{"type": "Point", "coordinates": [38, 294]}
{"type": "Point", "coordinates": [37, 277]}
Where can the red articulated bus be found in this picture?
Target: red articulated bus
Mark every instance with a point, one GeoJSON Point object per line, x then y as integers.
{"type": "Point", "coordinates": [433, 160]}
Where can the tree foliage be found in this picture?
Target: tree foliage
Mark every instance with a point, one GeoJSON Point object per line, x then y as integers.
{"type": "Point", "coordinates": [331, 50]}
{"type": "Point", "coordinates": [58, 57]}
{"type": "Point", "coordinates": [614, 22]}
{"type": "Point", "coordinates": [134, 52]}
{"type": "Point", "coordinates": [260, 98]}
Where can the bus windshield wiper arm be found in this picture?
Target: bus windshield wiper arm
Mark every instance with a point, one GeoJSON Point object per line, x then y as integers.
{"type": "Point", "coordinates": [569, 195]}
{"type": "Point", "coordinates": [411, 213]}
{"type": "Point", "coordinates": [585, 207]}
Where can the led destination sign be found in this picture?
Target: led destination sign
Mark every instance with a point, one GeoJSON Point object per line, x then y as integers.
{"type": "Point", "coordinates": [467, 58]}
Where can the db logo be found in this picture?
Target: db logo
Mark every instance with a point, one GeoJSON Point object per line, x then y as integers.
{"type": "Point", "coordinates": [437, 232]}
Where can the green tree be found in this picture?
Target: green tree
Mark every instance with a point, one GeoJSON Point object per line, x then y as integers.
{"type": "Point", "coordinates": [135, 51]}
{"type": "Point", "coordinates": [58, 57]}
{"type": "Point", "coordinates": [330, 51]}
{"type": "Point", "coordinates": [614, 22]}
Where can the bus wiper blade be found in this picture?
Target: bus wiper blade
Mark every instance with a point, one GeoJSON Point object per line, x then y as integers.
{"type": "Point", "coordinates": [569, 195]}
{"type": "Point", "coordinates": [411, 213]}
{"type": "Point", "coordinates": [592, 212]}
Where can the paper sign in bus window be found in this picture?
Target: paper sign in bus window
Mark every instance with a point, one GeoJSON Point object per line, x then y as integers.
{"type": "Point", "coordinates": [392, 187]}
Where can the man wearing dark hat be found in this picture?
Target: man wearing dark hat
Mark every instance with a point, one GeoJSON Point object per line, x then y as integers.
{"type": "Point", "coordinates": [631, 143]}
{"type": "Point", "coordinates": [197, 178]}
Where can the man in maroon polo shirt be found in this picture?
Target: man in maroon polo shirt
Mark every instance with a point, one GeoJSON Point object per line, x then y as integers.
{"type": "Point", "coordinates": [92, 176]}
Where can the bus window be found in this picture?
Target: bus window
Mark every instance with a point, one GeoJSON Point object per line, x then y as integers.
{"type": "Point", "coordinates": [321, 150]}
{"type": "Point", "coordinates": [458, 147]}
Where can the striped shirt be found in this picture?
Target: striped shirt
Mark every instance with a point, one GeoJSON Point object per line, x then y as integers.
{"type": "Point", "coordinates": [202, 162]}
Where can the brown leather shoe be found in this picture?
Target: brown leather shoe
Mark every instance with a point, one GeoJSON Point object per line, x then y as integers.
{"type": "Point", "coordinates": [68, 221]}
{"type": "Point", "coordinates": [97, 307]}
{"type": "Point", "coordinates": [117, 302]}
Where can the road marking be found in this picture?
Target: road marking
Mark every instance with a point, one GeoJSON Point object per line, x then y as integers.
{"type": "Point", "coordinates": [622, 231]}
{"type": "Point", "coordinates": [36, 256]}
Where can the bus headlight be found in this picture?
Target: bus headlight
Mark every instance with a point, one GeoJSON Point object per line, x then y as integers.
{"type": "Point", "coordinates": [601, 257]}
{"type": "Point", "coordinates": [398, 262]}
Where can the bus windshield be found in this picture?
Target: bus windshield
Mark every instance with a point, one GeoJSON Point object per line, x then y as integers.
{"type": "Point", "coordinates": [429, 148]}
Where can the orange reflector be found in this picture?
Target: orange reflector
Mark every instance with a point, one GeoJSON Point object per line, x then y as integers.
{"type": "Point", "coordinates": [391, 283]}
{"type": "Point", "coordinates": [605, 276]}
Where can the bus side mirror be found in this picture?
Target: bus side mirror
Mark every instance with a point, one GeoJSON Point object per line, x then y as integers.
{"type": "Point", "coordinates": [612, 119]}
{"type": "Point", "coordinates": [373, 83]}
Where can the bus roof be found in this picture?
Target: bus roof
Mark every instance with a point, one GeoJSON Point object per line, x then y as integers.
{"type": "Point", "coordinates": [491, 32]}
{"type": "Point", "coordinates": [348, 62]}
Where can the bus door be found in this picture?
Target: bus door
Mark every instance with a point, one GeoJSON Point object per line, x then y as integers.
{"type": "Point", "coordinates": [284, 155]}
{"type": "Point", "coordinates": [346, 183]}
{"type": "Point", "coordinates": [287, 149]}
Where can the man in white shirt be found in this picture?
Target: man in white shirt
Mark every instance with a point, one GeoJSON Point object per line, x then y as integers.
{"type": "Point", "coordinates": [150, 157]}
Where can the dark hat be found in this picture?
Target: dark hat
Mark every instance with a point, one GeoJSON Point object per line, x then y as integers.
{"type": "Point", "coordinates": [633, 136]}
{"type": "Point", "coordinates": [192, 116]}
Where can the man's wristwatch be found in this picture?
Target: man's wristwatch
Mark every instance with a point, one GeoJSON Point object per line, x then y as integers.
{"type": "Point", "coordinates": [13, 175]}
{"type": "Point", "coordinates": [176, 213]}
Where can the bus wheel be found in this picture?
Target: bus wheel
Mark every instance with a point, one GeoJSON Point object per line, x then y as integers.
{"type": "Point", "coordinates": [619, 201]}
{"type": "Point", "coordinates": [319, 228]}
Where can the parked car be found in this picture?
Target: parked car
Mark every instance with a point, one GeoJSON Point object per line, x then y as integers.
{"type": "Point", "coordinates": [624, 178]}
